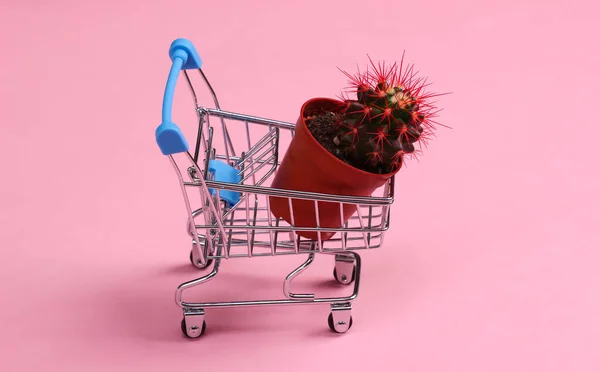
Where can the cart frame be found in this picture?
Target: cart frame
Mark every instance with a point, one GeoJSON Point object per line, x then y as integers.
{"type": "Point", "coordinates": [229, 182]}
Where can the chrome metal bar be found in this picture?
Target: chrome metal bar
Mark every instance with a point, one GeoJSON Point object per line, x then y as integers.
{"type": "Point", "coordinates": [230, 236]}
{"type": "Point", "coordinates": [251, 119]}
{"type": "Point", "coordinates": [343, 235]}
{"type": "Point", "coordinates": [270, 218]}
{"type": "Point", "coordinates": [210, 201]}
{"type": "Point", "coordinates": [375, 214]}
{"type": "Point", "coordinates": [266, 244]}
{"type": "Point", "coordinates": [258, 167]}
{"type": "Point", "coordinates": [266, 228]}
{"type": "Point", "coordinates": [265, 302]}
{"type": "Point", "coordinates": [235, 207]}
{"type": "Point", "coordinates": [362, 227]}
{"type": "Point", "coordinates": [288, 280]}
{"type": "Point", "coordinates": [237, 159]}
{"type": "Point", "coordinates": [262, 143]}
{"type": "Point", "coordinates": [288, 301]}
{"type": "Point", "coordinates": [226, 137]}
{"type": "Point", "coordinates": [218, 217]}
{"type": "Point", "coordinates": [269, 172]}
{"type": "Point", "coordinates": [207, 220]}
{"type": "Point", "coordinates": [318, 226]}
{"type": "Point", "coordinates": [293, 223]}
{"type": "Point", "coordinates": [276, 233]}
{"type": "Point", "coordinates": [385, 223]}
{"type": "Point", "coordinates": [187, 78]}
{"type": "Point", "coordinates": [200, 139]}
{"type": "Point", "coordinates": [304, 195]}
{"type": "Point", "coordinates": [259, 158]}
{"type": "Point", "coordinates": [369, 224]}
{"type": "Point", "coordinates": [195, 282]}
{"type": "Point", "coordinates": [287, 251]}
{"type": "Point", "coordinates": [253, 234]}
{"type": "Point", "coordinates": [208, 147]}
{"type": "Point", "coordinates": [249, 242]}
{"type": "Point", "coordinates": [200, 116]}
{"type": "Point", "coordinates": [290, 243]}
{"type": "Point", "coordinates": [186, 201]}
{"type": "Point", "coordinates": [265, 219]}
{"type": "Point", "coordinates": [251, 156]}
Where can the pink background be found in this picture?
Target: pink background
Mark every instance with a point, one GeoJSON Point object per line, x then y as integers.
{"type": "Point", "coordinates": [495, 263]}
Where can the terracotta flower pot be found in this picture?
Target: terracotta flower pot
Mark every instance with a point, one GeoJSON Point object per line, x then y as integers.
{"type": "Point", "coordinates": [307, 166]}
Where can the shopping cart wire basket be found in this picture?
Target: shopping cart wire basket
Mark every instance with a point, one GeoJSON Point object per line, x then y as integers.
{"type": "Point", "coordinates": [225, 184]}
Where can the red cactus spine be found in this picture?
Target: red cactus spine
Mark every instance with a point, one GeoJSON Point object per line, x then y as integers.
{"type": "Point", "coordinates": [391, 113]}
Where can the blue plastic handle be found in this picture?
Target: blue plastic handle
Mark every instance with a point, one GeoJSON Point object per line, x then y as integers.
{"type": "Point", "coordinates": [169, 137]}
{"type": "Point", "coordinates": [224, 173]}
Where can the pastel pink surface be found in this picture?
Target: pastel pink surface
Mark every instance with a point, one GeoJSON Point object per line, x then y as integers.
{"type": "Point", "coordinates": [491, 261]}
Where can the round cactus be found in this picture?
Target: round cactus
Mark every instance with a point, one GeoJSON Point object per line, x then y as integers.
{"type": "Point", "coordinates": [390, 114]}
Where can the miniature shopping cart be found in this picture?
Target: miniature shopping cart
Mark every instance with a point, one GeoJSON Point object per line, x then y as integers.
{"type": "Point", "coordinates": [225, 183]}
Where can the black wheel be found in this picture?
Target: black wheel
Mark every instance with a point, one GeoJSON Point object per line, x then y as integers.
{"type": "Point", "coordinates": [348, 282]}
{"type": "Point", "coordinates": [184, 329]}
{"type": "Point", "coordinates": [198, 264]}
{"type": "Point", "coordinates": [332, 327]}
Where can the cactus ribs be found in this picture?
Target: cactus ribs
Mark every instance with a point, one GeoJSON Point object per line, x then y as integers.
{"type": "Point", "coordinates": [378, 128]}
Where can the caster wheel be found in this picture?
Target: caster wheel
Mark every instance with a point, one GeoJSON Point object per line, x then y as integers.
{"type": "Point", "coordinates": [341, 280]}
{"type": "Point", "coordinates": [199, 264]}
{"type": "Point", "coordinates": [332, 325]}
{"type": "Point", "coordinates": [194, 332]}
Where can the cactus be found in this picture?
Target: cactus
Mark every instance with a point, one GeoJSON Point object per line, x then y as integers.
{"type": "Point", "coordinates": [390, 114]}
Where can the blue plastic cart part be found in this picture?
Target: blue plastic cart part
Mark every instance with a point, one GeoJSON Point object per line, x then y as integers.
{"type": "Point", "coordinates": [169, 137]}
{"type": "Point", "coordinates": [222, 172]}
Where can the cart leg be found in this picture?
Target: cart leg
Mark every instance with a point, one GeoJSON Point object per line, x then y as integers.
{"type": "Point", "coordinates": [195, 255]}
{"type": "Point", "coordinates": [193, 324]}
{"type": "Point", "coordinates": [345, 268]}
{"type": "Point", "coordinates": [340, 319]}
{"type": "Point", "coordinates": [295, 273]}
